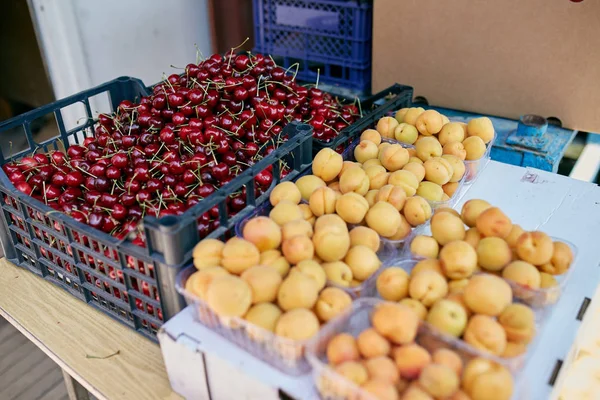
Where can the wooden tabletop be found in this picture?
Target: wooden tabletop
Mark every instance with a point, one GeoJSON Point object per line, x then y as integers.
{"type": "Point", "coordinates": [78, 338]}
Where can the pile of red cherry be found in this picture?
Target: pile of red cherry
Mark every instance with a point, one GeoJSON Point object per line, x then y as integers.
{"type": "Point", "coordinates": [192, 135]}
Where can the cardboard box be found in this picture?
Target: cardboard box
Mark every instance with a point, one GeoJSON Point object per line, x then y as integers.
{"type": "Point", "coordinates": [504, 58]}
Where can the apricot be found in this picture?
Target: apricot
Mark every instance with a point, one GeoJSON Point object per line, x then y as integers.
{"type": "Point", "coordinates": [264, 282]}
{"type": "Point", "coordinates": [327, 164]}
{"type": "Point", "coordinates": [392, 284]}
{"type": "Point", "coordinates": [424, 246]}
{"type": "Point", "coordinates": [458, 167]}
{"type": "Point", "coordinates": [380, 389]}
{"type": "Point", "coordinates": [365, 150]}
{"type": "Point", "coordinates": [535, 247]}
{"type": "Point", "coordinates": [263, 232]}
{"type": "Point", "coordinates": [472, 209]}
{"type": "Point", "coordinates": [427, 287]}
{"type": "Point", "coordinates": [486, 380]}
{"type": "Point", "coordinates": [416, 392]}
{"type": "Point", "coordinates": [372, 345]}
{"type": "Point", "coordinates": [406, 180]}
{"type": "Point", "coordinates": [330, 223]}
{"type": "Point", "coordinates": [394, 195]}
{"type": "Point", "coordinates": [416, 210]}
{"type": "Point", "coordinates": [383, 218]}
{"type": "Point", "coordinates": [450, 188]}
{"type": "Point", "coordinates": [430, 122]}
{"type": "Point", "coordinates": [493, 253]}
{"type": "Point", "coordinates": [416, 168]}
{"type": "Point", "coordinates": [307, 184]}
{"type": "Point", "coordinates": [348, 165]}
{"type": "Point", "coordinates": [298, 248]}
{"type": "Point", "coordinates": [297, 291]}
{"type": "Point", "coordinates": [513, 350]}
{"type": "Point", "coordinates": [404, 229]}
{"type": "Point", "coordinates": [547, 281]}
{"type": "Point", "coordinates": [459, 298]}
{"type": "Point", "coordinates": [523, 273]}
{"type": "Point", "coordinates": [229, 296]}
{"type": "Point", "coordinates": [444, 208]}
{"type": "Point", "coordinates": [430, 264]}
{"type": "Point", "coordinates": [207, 253]}
{"type": "Point", "coordinates": [338, 272]}
{"type": "Point", "coordinates": [487, 294]}
{"type": "Point", "coordinates": [456, 149]}
{"type": "Point", "coordinates": [413, 157]}
{"type": "Point", "coordinates": [418, 308]}
{"type": "Point", "coordinates": [362, 261]}
{"type": "Point", "coordinates": [448, 358]}
{"type": "Point", "coordinates": [352, 207]}
{"type": "Point", "coordinates": [297, 324]}
{"type": "Point", "coordinates": [400, 114]}
{"type": "Point", "coordinates": [438, 170]}
{"type": "Point", "coordinates": [475, 148]}
{"type": "Point", "coordinates": [411, 115]}
{"type": "Point", "coordinates": [354, 180]}
{"type": "Point", "coordinates": [371, 196]}
{"type": "Point", "coordinates": [451, 132]}
{"type": "Point", "coordinates": [446, 227]}
{"type": "Point", "coordinates": [307, 214]}
{"type": "Point", "coordinates": [314, 270]}
{"type": "Point", "coordinates": [406, 133]}
{"type": "Point", "coordinates": [411, 359]}
{"type": "Point", "coordinates": [332, 302]}
{"type": "Point", "coordinates": [199, 281]}
{"type": "Point", "coordinates": [331, 246]}
{"type": "Point", "coordinates": [472, 236]}
{"type": "Point", "coordinates": [274, 259]}
{"type": "Point", "coordinates": [458, 259]}
{"type": "Point", "coordinates": [285, 211]}
{"type": "Point", "coordinates": [354, 371]}
{"type": "Point", "coordinates": [430, 191]}
{"type": "Point", "coordinates": [513, 236]}
{"type": "Point", "coordinates": [295, 228]}
{"type": "Point", "coordinates": [285, 191]}
{"type": "Point", "coordinates": [493, 222]}
{"type": "Point", "coordinates": [371, 135]}
{"type": "Point", "coordinates": [486, 334]}
{"type": "Point", "coordinates": [396, 322]}
{"type": "Point", "coordinates": [438, 380]}
{"type": "Point", "coordinates": [239, 255]}
{"type": "Point", "coordinates": [481, 127]}
{"type": "Point", "coordinates": [374, 162]}
{"type": "Point", "coordinates": [341, 348]}
{"type": "Point", "coordinates": [562, 257]}
{"type": "Point", "coordinates": [386, 126]}
{"type": "Point", "coordinates": [518, 322]}
{"type": "Point", "coordinates": [457, 285]}
{"type": "Point", "coordinates": [428, 147]}
{"type": "Point", "coordinates": [362, 235]}
{"type": "Point", "coordinates": [378, 176]}
{"type": "Point", "coordinates": [264, 315]}
{"type": "Point", "coordinates": [322, 201]}
{"type": "Point", "coordinates": [448, 316]}
{"type": "Point", "coordinates": [393, 157]}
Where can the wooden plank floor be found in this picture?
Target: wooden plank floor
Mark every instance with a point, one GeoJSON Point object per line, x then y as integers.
{"type": "Point", "coordinates": [26, 373]}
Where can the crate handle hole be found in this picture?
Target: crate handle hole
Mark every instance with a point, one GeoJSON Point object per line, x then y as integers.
{"type": "Point", "coordinates": [168, 221]}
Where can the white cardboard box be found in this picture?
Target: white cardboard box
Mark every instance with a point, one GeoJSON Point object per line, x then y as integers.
{"type": "Point", "coordinates": [202, 365]}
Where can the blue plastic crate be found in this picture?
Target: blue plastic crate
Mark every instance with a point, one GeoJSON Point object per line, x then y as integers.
{"type": "Point", "coordinates": [331, 39]}
{"type": "Point", "coordinates": [523, 144]}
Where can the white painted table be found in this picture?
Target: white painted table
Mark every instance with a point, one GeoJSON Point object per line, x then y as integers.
{"type": "Point", "coordinates": [200, 362]}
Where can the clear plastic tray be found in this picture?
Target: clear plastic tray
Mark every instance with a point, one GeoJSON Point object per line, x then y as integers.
{"type": "Point", "coordinates": [388, 249]}
{"type": "Point", "coordinates": [348, 154]}
{"type": "Point", "coordinates": [474, 167]}
{"type": "Point", "coordinates": [535, 298]}
{"type": "Point", "coordinates": [333, 386]}
{"type": "Point", "coordinates": [282, 353]}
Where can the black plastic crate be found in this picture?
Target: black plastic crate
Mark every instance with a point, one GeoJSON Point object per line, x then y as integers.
{"type": "Point", "coordinates": [134, 285]}
{"type": "Point", "coordinates": [373, 108]}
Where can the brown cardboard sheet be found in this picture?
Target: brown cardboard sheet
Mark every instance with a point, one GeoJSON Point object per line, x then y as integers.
{"type": "Point", "coordinates": [502, 57]}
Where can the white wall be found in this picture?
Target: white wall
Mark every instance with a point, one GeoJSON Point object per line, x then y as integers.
{"type": "Point", "coordinates": [87, 42]}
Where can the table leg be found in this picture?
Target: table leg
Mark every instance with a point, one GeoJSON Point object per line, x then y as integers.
{"type": "Point", "coordinates": [74, 389]}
